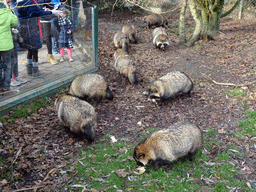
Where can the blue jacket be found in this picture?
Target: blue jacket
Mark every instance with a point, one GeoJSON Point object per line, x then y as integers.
{"type": "Point", "coordinates": [63, 36]}
{"type": "Point", "coordinates": [28, 25]}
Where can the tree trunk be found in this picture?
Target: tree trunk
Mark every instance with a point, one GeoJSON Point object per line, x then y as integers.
{"type": "Point", "coordinates": [207, 15]}
{"type": "Point", "coordinates": [182, 22]}
{"type": "Point", "coordinates": [211, 24]}
{"type": "Point", "coordinates": [198, 21]}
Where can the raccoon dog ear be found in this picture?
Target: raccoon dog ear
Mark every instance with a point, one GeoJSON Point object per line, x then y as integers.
{"type": "Point", "coordinates": [141, 155]}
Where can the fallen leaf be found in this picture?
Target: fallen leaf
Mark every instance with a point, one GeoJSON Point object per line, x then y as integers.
{"type": "Point", "coordinates": [3, 182]}
{"type": "Point", "coordinates": [121, 172]}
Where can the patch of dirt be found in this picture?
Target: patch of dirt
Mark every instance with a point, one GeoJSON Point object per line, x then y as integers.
{"type": "Point", "coordinates": [46, 147]}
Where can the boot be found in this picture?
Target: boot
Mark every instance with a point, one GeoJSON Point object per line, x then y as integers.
{"type": "Point", "coordinates": [29, 69]}
{"type": "Point", "coordinates": [35, 72]}
{"type": "Point", "coordinates": [88, 34]}
{"type": "Point", "coordinates": [51, 59]}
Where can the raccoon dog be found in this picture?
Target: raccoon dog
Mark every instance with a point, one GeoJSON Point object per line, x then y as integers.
{"type": "Point", "coordinates": [129, 30]}
{"type": "Point", "coordinates": [78, 115]}
{"type": "Point", "coordinates": [167, 145]}
{"type": "Point", "coordinates": [169, 86]}
{"type": "Point", "coordinates": [121, 40]}
{"type": "Point", "coordinates": [125, 65]}
{"type": "Point", "coordinates": [90, 86]}
{"type": "Point", "coordinates": [156, 20]}
{"type": "Point", "coordinates": [160, 38]}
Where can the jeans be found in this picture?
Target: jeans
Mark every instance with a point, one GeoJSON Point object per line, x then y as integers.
{"type": "Point", "coordinates": [14, 60]}
{"type": "Point", "coordinates": [5, 69]}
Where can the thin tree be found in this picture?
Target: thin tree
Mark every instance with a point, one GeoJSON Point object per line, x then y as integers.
{"type": "Point", "coordinates": [207, 15]}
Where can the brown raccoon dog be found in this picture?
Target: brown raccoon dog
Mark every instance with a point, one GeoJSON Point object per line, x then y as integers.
{"type": "Point", "coordinates": [156, 21]}
{"type": "Point", "coordinates": [129, 30]}
{"type": "Point", "coordinates": [78, 115]}
{"type": "Point", "coordinates": [167, 145]}
{"type": "Point", "coordinates": [121, 40]}
{"type": "Point", "coordinates": [160, 38]}
{"type": "Point", "coordinates": [90, 87]}
{"type": "Point", "coordinates": [169, 86]}
{"type": "Point", "coordinates": [125, 65]}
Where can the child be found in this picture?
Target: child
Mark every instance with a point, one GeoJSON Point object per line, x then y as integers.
{"type": "Point", "coordinates": [66, 29]}
{"type": "Point", "coordinates": [7, 21]}
{"type": "Point", "coordinates": [30, 30]}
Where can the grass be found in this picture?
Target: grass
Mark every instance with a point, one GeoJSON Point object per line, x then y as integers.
{"type": "Point", "coordinates": [248, 126]}
{"type": "Point", "coordinates": [24, 110]}
{"type": "Point", "coordinates": [236, 92]}
{"type": "Point", "coordinates": [100, 166]}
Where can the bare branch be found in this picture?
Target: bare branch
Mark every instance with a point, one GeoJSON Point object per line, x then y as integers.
{"type": "Point", "coordinates": [228, 84]}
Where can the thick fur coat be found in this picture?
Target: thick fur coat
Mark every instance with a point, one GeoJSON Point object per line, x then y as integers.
{"type": "Point", "coordinates": [121, 40]}
{"type": "Point", "coordinates": [90, 86]}
{"type": "Point", "coordinates": [169, 86]}
{"type": "Point", "coordinates": [155, 20]}
{"type": "Point", "coordinates": [130, 31]}
{"type": "Point", "coordinates": [78, 115]}
{"type": "Point", "coordinates": [167, 145]}
{"type": "Point", "coordinates": [125, 65]}
{"type": "Point", "coordinates": [160, 38]}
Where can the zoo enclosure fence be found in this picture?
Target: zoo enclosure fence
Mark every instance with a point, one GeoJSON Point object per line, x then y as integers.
{"type": "Point", "coordinates": [245, 10]}
{"type": "Point", "coordinates": [59, 76]}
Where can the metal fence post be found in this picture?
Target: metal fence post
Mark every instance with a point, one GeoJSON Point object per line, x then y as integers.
{"type": "Point", "coordinates": [240, 9]}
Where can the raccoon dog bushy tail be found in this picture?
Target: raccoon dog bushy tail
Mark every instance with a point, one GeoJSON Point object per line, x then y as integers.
{"type": "Point", "coordinates": [132, 75]}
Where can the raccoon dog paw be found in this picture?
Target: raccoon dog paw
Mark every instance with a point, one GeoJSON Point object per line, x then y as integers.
{"type": "Point", "coordinates": [161, 162]}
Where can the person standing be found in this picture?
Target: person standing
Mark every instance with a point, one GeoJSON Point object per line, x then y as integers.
{"type": "Point", "coordinates": [16, 80]}
{"type": "Point", "coordinates": [7, 21]}
{"type": "Point", "coordinates": [46, 25]}
{"type": "Point", "coordinates": [30, 29]}
{"type": "Point", "coordinates": [66, 30]}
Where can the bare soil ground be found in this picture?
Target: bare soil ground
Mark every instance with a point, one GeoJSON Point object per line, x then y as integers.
{"type": "Point", "coordinates": [46, 148]}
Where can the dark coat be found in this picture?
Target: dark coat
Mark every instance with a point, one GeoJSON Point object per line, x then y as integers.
{"type": "Point", "coordinates": [28, 25]}
{"type": "Point", "coordinates": [64, 38]}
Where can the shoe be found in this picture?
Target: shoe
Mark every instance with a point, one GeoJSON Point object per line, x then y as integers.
{"type": "Point", "coordinates": [71, 59]}
{"type": "Point", "coordinates": [29, 69]}
{"type": "Point", "coordinates": [51, 59]}
{"type": "Point", "coordinates": [21, 80]}
{"type": "Point", "coordinates": [36, 73]}
{"type": "Point", "coordinates": [61, 59]}
{"type": "Point", "coordinates": [14, 83]}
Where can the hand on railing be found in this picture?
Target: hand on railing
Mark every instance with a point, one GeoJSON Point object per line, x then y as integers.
{"type": "Point", "coordinates": [57, 12]}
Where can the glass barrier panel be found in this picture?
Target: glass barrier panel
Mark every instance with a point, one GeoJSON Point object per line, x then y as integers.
{"type": "Point", "coordinates": [51, 51]}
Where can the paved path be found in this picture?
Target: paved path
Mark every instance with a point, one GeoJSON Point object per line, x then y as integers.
{"type": "Point", "coordinates": [54, 75]}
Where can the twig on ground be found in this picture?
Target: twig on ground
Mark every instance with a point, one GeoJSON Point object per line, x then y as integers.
{"type": "Point", "coordinates": [26, 189]}
{"type": "Point", "coordinates": [46, 177]}
{"type": "Point", "coordinates": [17, 155]}
{"type": "Point", "coordinates": [228, 84]}
{"type": "Point", "coordinates": [84, 186]}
